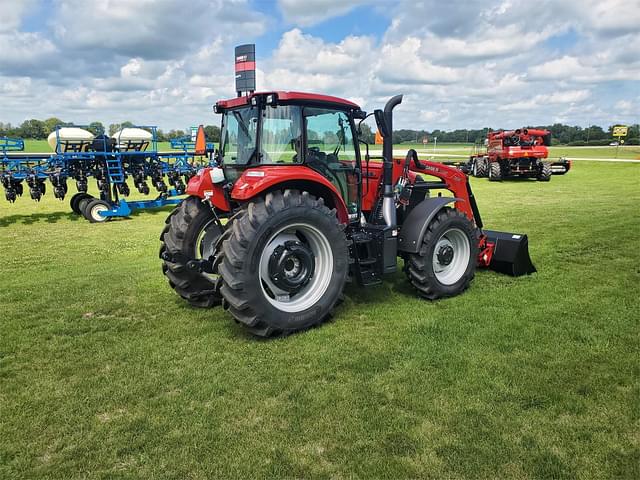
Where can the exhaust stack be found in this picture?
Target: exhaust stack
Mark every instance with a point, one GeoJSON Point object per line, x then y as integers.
{"type": "Point", "coordinates": [388, 204]}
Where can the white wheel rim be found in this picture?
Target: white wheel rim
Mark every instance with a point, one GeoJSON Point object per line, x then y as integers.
{"type": "Point", "coordinates": [95, 213]}
{"type": "Point", "coordinates": [205, 251]}
{"type": "Point", "coordinates": [451, 272]}
{"type": "Point", "coordinates": [316, 286]}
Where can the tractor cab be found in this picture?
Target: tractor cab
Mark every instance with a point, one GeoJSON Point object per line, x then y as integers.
{"type": "Point", "coordinates": [293, 129]}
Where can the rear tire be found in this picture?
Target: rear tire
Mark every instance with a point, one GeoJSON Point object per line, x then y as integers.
{"type": "Point", "coordinates": [191, 231]}
{"type": "Point", "coordinates": [480, 167]}
{"type": "Point", "coordinates": [284, 264]}
{"type": "Point", "coordinates": [75, 202]}
{"type": "Point", "coordinates": [495, 172]}
{"type": "Point", "coordinates": [545, 172]}
{"type": "Point", "coordinates": [446, 262]}
{"type": "Point", "coordinates": [93, 208]}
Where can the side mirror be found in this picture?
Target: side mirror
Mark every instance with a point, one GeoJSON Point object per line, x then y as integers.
{"type": "Point", "coordinates": [381, 122]}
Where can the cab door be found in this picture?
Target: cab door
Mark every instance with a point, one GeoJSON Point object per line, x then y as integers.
{"type": "Point", "coordinates": [330, 150]}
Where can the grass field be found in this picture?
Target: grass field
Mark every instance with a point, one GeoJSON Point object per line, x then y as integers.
{"type": "Point", "coordinates": [105, 373]}
{"type": "Point", "coordinates": [630, 152]}
{"type": "Point", "coordinates": [626, 152]}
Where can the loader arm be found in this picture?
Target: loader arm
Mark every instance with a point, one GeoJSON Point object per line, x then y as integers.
{"type": "Point", "coordinates": [453, 180]}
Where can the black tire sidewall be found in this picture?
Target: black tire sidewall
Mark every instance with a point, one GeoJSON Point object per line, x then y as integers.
{"type": "Point", "coordinates": [193, 232]}
{"type": "Point", "coordinates": [469, 230]}
{"type": "Point", "coordinates": [75, 201]}
{"type": "Point", "coordinates": [493, 176]}
{"type": "Point", "coordinates": [256, 296]}
{"type": "Point", "coordinates": [83, 203]}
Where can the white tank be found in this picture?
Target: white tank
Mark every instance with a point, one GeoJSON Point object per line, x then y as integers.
{"type": "Point", "coordinates": [131, 134]}
{"type": "Point", "coordinates": [69, 134]}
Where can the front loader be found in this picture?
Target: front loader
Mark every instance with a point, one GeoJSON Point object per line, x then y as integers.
{"type": "Point", "coordinates": [295, 208]}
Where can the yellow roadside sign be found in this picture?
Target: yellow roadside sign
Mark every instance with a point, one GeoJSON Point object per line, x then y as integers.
{"type": "Point", "coordinates": [620, 131]}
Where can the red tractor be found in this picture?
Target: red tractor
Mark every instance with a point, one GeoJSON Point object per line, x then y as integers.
{"type": "Point", "coordinates": [294, 209]}
{"type": "Point", "coordinates": [519, 153]}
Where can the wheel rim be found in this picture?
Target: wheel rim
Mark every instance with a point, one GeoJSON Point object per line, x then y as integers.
{"type": "Point", "coordinates": [95, 212]}
{"type": "Point", "coordinates": [451, 256]}
{"type": "Point", "coordinates": [206, 243]}
{"type": "Point", "coordinates": [475, 169]}
{"type": "Point", "coordinates": [299, 240]}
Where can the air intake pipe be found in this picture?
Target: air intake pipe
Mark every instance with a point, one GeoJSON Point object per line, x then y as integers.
{"type": "Point", "coordinates": [388, 202]}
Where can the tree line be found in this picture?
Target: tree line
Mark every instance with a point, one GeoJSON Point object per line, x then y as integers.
{"type": "Point", "coordinates": [40, 129]}
{"type": "Point", "coordinates": [561, 134]}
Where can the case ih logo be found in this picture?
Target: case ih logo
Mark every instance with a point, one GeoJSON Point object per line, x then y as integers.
{"type": "Point", "coordinates": [241, 58]}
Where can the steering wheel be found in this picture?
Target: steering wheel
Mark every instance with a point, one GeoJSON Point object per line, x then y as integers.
{"type": "Point", "coordinates": [515, 140]}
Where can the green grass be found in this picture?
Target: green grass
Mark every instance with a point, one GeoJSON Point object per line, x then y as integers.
{"type": "Point", "coordinates": [627, 152]}
{"type": "Point", "coordinates": [105, 373]}
{"type": "Point", "coordinates": [630, 152]}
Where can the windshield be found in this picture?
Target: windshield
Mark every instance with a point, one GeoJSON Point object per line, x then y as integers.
{"type": "Point", "coordinates": [238, 136]}
{"type": "Point", "coordinates": [281, 136]}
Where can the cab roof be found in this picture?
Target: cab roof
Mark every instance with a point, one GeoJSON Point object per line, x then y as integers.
{"type": "Point", "coordinates": [311, 98]}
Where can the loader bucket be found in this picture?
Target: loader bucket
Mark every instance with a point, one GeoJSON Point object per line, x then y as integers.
{"type": "Point", "coordinates": [510, 254]}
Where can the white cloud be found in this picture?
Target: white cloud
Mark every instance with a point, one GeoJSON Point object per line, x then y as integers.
{"type": "Point", "coordinates": [570, 96]}
{"type": "Point", "coordinates": [462, 64]}
{"type": "Point", "coordinates": [151, 29]}
{"type": "Point", "coordinates": [310, 12]}
{"type": "Point", "coordinates": [25, 50]}
{"type": "Point", "coordinates": [334, 68]}
{"type": "Point", "coordinates": [15, 86]}
{"type": "Point", "coordinates": [131, 68]}
{"type": "Point", "coordinates": [564, 67]}
{"type": "Point", "coordinates": [12, 12]}
{"type": "Point", "coordinates": [403, 63]}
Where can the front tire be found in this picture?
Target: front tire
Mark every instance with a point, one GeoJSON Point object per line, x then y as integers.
{"type": "Point", "coordinates": [446, 262]}
{"type": "Point", "coordinates": [545, 172]}
{"type": "Point", "coordinates": [191, 232]}
{"type": "Point", "coordinates": [480, 167]}
{"type": "Point", "coordinates": [495, 172]}
{"type": "Point", "coordinates": [284, 264]}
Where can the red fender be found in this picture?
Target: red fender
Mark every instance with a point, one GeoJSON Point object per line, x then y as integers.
{"type": "Point", "coordinates": [202, 186]}
{"type": "Point", "coordinates": [255, 181]}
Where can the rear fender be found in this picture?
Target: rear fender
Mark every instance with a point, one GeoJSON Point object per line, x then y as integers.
{"type": "Point", "coordinates": [257, 181]}
{"type": "Point", "coordinates": [415, 225]}
{"type": "Point", "coordinates": [202, 186]}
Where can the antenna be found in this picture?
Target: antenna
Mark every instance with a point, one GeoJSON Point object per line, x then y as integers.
{"type": "Point", "coordinates": [246, 69]}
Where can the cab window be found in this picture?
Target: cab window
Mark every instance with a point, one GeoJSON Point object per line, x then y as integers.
{"type": "Point", "coordinates": [281, 134]}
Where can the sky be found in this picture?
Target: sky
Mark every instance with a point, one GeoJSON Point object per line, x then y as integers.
{"type": "Point", "coordinates": [460, 64]}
